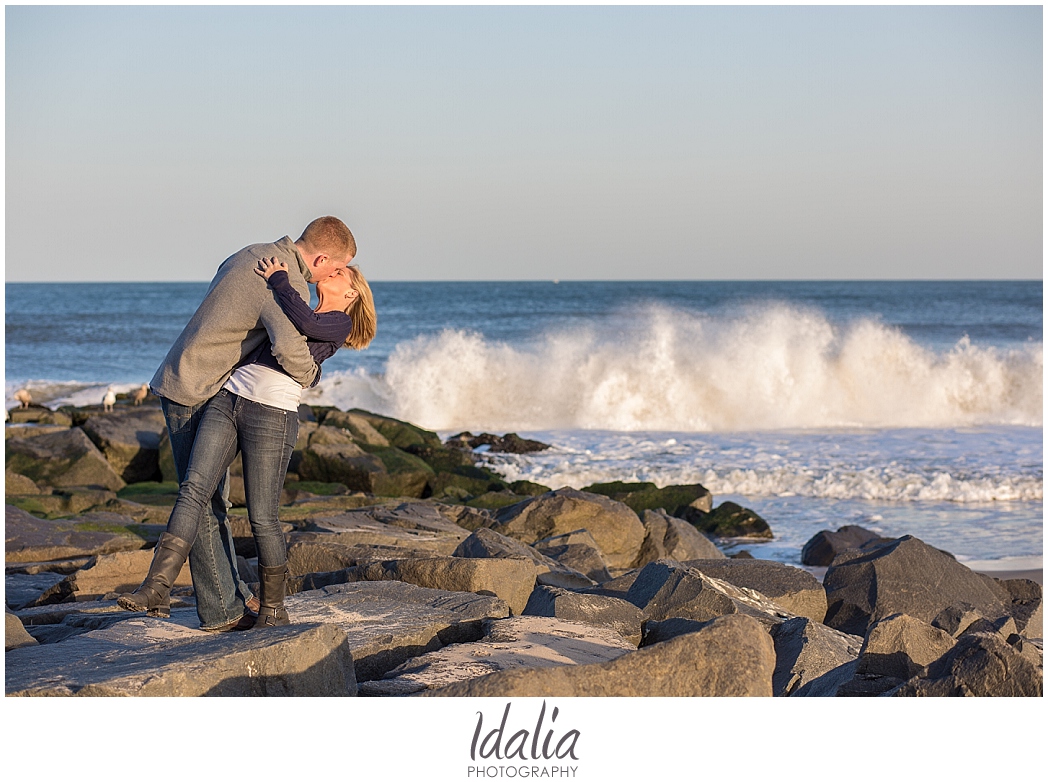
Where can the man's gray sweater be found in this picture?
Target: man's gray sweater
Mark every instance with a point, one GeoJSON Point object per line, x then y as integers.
{"type": "Point", "coordinates": [238, 313]}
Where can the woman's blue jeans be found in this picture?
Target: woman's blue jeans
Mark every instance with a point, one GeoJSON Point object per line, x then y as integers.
{"type": "Point", "coordinates": [265, 436]}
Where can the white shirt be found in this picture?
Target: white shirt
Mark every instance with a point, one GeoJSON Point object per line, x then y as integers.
{"type": "Point", "coordinates": [266, 386]}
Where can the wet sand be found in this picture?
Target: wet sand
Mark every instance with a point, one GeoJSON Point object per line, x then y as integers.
{"type": "Point", "coordinates": [1034, 575]}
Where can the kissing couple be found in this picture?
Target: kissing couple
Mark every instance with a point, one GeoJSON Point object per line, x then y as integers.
{"type": "Point", "coordinates": [232, 383]}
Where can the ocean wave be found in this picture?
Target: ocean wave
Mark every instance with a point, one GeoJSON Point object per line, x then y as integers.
{"type": "Point", "coordinates": [873, 483]}
{"type": "Point", "coordinates": [772, 367]}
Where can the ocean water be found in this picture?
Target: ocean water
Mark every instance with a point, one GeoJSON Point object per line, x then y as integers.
{"type": "Point", "coordinates": [907, 407]}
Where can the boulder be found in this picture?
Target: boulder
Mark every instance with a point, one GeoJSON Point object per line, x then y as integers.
{"type": "Point", "coordinates": [149, 657]}
{"type": "Point", "coordinates": [666, 589]}
{"type": "Point", "coordinates": [956, 619]}
{"type": "Point", "coordinates": [576, 550]}
{"type": "Point", "coordinates": [675, 500]}
{"type": "Point", "coordinates": [904, 576]}
{"type": "Point", "coordinates": [667, 537]}
{"type": "Point", "coordinates": [796, 590]}
{"type": "Point", "coordinates": [62, 502]}
{"type": "Point", "coordinates": [130, 440]}
{"type": "Point", "coordinates": [811, 659]}
{"type": "Point", "coordinates": [357, 426]}
{"type": "Point", "coordinates": [731, 656]}
{"type": "Point", "coordinates": [825, 545]}
{"type": "Point", "coordinates": [30, 539]}
{"type": "Point", "coordinates": [385, 527]}
{"type": "Point", "coordinates": [31, 430]}
{"type": "Point", "coordinates": [1027, 605]}
{"type": "Point", "coordinates": [616, 529]}
{"type": "Point", "coordinates": [510, 579]}
{"type": "Point", "coordinates": [523, 642]}
{"type": "Point", "coordinates": [399, 434]}
{"type": "Point", "coordinates": [15, 635]}
{"type": "Point", "coordinates": [468, 518]}
{"type": "Point", "coordinates": [729, 520]}
{"type": "Point", "coordinates": [319, 556]}
{"type": "Point", "coordinates": [389, 622]}
{"type": "Point", "coordinates": [618, 586]}
{"type": "Point", "coordinates": [613, 613]}
{"type": "Point", "coordinates": [483, 543]}
{"type": "Point", "coordinates": [981, 665]}
{"type": "Point", "coordinates": [22, 590]}
{"type": "Point", "coordinates": [120, 572]}
{"type": "Point", "coordinates": [510, 443]}
{"type": "Point", "coordinates": [345, 463]}
{"type": "Point", "coordinates": [896, 649]}
{"type": "Point", "coordinates": [66, 458]}
{"type": "Point", "coordinates": [405, 475]}
{"type": "Point", "coordinates": [37, 414]}
{"type": "Point", "coordinates": [19, 484]}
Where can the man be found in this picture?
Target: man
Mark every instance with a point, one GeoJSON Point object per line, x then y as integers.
{"type": "Point", "coordinates": [238, 313]}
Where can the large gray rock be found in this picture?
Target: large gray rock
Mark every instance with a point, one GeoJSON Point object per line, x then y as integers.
{"type": "Point", "coordinates": [150, 657]}
{"type": "Point", "coordinates": [368, 526]}
{"type": "Point", "coordinates": [821, 549]}
{"type": "Point", "coordinates": [510, 579]}
{"type": "Point", "coordinates": [119, 572]}
{"type": "Point", "coordinates": [485, 543]}
{"type": "Point", "coordinates": [896, 649]}
{"type": "Point", "coordinates": [320, 556]}
{"type": "Point", "coordinates": [62, 502]}
{"type": "Point", "coordinates": [30, 539]}
{"type": "Point", "coordinates": [904, 576]}
{"type": "Point", "coordinates": [1027, 605]}
{"type": "Point", "coordinates": [616, 529]}
{"type": "Point", "coordinates": [508, 644]}
{"type": "Point", "coordinates": [66, 458]}
{"type": "Point", "coordinates": [345, 463]}
{"type": "Point", "coordinates": [675, 500]}
{"type": "Point", "coordinates": [40, 415]}
{"type": "Point", "coordinates": [796, 590]}
{"type": "Point", "coordinates": [389, 622]}
{"type": "Point", "coordinates": [357, 427]}
{"type": "Point", "coordinates": [578, 551]}
{"type": "Point", "coordinates": [19, 484]}
{"type": "Point", "coordinates": [811, 659]}
{"type": "Point", "coordinates": [15, 635]}
{"type": "Point", "coordinates": [611, 612]}
{"type": "Point", "coordinates": [130, 440]}
{"type": "Point", "coordinates": [666, 589]}
{"type": "Point", "coordinates": [22, 590]}
{"type": "Point", "coordinates": [981, 665]}
{"type": "Point", "coordinates": [729, 520]}
{"type": "Point", "coordinates": [731, 656]}
{"type": "Point", "coordinates": [667, 537]}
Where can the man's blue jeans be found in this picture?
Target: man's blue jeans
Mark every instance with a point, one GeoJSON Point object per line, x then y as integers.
{"type": "Point", "coordinates": [220, 592]}
{"type": "Point", "coordinates": [265, 436]}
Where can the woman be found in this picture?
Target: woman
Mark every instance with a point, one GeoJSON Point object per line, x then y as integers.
{"type": "Point", "coordinates": [256, 414]}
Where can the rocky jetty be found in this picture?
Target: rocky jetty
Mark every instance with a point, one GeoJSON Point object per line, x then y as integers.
{"type": "Point", "coordinates": [418, 571]}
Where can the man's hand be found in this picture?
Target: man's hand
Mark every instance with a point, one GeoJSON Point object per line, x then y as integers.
{"type": "Point", "coordinates": [267, 267]}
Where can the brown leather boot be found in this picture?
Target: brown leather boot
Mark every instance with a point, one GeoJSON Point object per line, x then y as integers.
{"type": "Point", "coordinates": [272, 584]}
{"type": "Point", "coordinates": [154, 595]}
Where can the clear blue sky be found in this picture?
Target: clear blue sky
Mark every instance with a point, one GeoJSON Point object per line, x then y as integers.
{"type": "Point", "coordinates": [148, 143]}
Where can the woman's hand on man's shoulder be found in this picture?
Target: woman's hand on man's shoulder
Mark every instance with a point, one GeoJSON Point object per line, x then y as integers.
{"type": "Point", "coordinates": [267, 267]}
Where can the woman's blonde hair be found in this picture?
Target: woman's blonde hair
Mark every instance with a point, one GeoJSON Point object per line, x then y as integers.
{"type": "Point", "coordinates": [362, 311]}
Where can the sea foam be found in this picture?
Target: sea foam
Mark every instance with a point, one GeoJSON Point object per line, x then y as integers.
{"type": "Point", "coordinates": [661, 369]}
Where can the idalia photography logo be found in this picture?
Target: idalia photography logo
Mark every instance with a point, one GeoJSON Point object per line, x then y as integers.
{"type": "Point", "coordinates": [526, 752]}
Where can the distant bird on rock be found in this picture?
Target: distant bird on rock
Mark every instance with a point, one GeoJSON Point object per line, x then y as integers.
{"type": "Point", "coordinates": [108, 400]}
{"type": "Point", "coordinates": [141, 394]}
{"type": "Point", "coordinates": [24, 397]}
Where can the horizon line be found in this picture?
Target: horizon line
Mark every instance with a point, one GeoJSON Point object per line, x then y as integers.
{"type": "Point", "coordinates": [560, 281]}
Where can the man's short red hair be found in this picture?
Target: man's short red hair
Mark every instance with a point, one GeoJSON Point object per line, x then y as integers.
{"type": "Point", "coordinates": [329, 235]}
